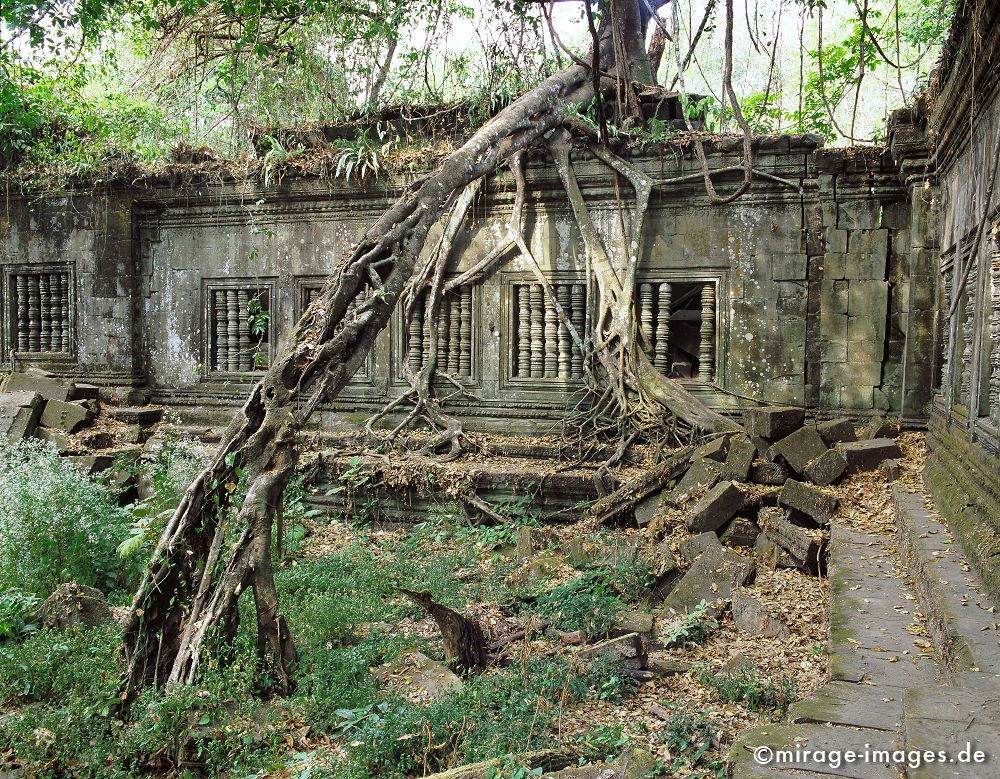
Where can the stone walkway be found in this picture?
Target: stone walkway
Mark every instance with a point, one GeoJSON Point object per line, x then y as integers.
{"type": "Point", "coordinates": [890, 687]}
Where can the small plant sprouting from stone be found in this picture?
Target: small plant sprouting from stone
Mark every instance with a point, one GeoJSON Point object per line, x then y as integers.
{"type": "Point", "coordinates": [259, 321]}
{"type": "Point", "coordinates": [692, 628]}
{"type": "Point", "coordinates": [749, 686]}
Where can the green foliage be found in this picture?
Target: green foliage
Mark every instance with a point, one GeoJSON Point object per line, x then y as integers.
{"type": "Point", "coordinates": [363, 158]}
{"type": "Point", "coordinates": [747, 685]}
{"type": "Point", "coordinates": [57, 523]}
{"type": "Point", "coordinates": [605, 742]}
{"type": "Point", "coordinates": [16, 607]}
{"type": "Point", "coordinates": [691, 628]}
{"type": "Point", "coordinates": [689, 738]}
{"type": "Point", "coordinates": [588, 603]}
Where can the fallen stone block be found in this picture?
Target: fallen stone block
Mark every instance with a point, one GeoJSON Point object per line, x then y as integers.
{"type": "Point", "coordinates": [702, 475]}
{"type": "Point", "coordinates": [769, 555]}
{"type": "Point", "coordinates": [93, 463]}
{"type": "Point", "coordinates": [741, 456]}
{"type": "Point", "coordinates": [773, 421]}
{"type": "Point", "coordinates": [806, 548]}
{"type": "Point", "coordinates": [99, 439]}
{"type": "Point", "coordinates": [537, 569]}
{"type": "Point", "coordinates": [752, 618]}
{"type": "Point", "coordinates": [68, 417]}
{"type": "Point", "coordinates": [130, 415]}
{"type": "Point", "coordinates": [547, 759]}
{"type": "Point", "coordinates": [878, 427]}
{"type": "Point", "coordinates": [70, 606]}
{"type": "Point", "coordinates": [798, 449]}
{"type": "Point", "coordinates": [666, 572]}
{"type": "Point", "coordinates": [692, 547]}
{"type": "Point", "coordinates": [641, 623]}
{"type": "Point", "coordinates": [868, 455]}
{"type": "Point", "coordinates": [626, 651]}
{"type": "Point", "coordinates": [891, 470]}
{"type": "Point", "coordinates": [826, 468]}
{"type": "Point", "coordinates": [763, 445]}
{"type": "Point", "coordinates": [57, 438]}
{"type": "Point", "coordinates": [33, 380]}
{"type": "Point", "coordinates": [835, 431]}
{"type": "Point", "coordinates": [419, 678]}
{"type": "Point", "coordinates": [19, 414]}
{"type": "Point", "coordinates": [714, 450]}
{"type": "Point", "coordinates": [646, 509]}
{"type": "Point", "coordinates": [80, 391]}
{"type": "Point", "coordinates": [718, 506]}
{"type": "Point", "coordinates": [663, 666]}
{"type": "Point", "coordinates": [740, 532]}
{"type": "Point", "coordinates": [712, 577]}
{"type": "Point", "coordinates": [531, 540]}
{"type": "Point", "coordinates": [772, 474]}
{"type": "Point", "coordinates": [815, 503]}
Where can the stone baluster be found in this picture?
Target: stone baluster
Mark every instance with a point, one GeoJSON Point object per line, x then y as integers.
{"type": "Point", "coordinates": [706, 351]}
{"type": "Point", "coordinates": [578, 316]}
{"type": "Point", "coordinates": [425, 352]}
{"type": "Point", "coordinates": [646, 313]}
{"type": "Point", "coordinates": [551, 337]}
{"type": "Point", "coordinates": [661, 354]}
{"type": "Point", "coordinates": [23, 326]}
{"type": "Point", "coordinates": [465, 333]}
{"type": "Point", "coordinates": [454, 331]}
{"type": "Point", "coordinates": [220, 331]}
{"type": "Point", "coordinates": [968, 335]}
{"type": "Point", "coordinates": [233, 331]}
{"type": "Point", "coordinates": [442, 335]}
{"type": "Point", "coordinates": [565, 343]}
{"type": "Point", "coordinates": [537, 331]}
{"type": "Point", "coordinates": [523, 329]}
{"type": "Point", "coordinates": [946, 364]}
{"type": "Point", "coordinates": [34, 314]}
{"type": "Point", "coordinates": [414, 346]}
{"type": "Point", "coordinates": [58, 310]}
{"type": "Point", "coordinates": [995, 335]}
{"type": "Point", "coordinates": [247, 343]}
{"type": "Point", "coordinates": [45, 304]}
{"type": "Point", "coordinates": [66, 295]}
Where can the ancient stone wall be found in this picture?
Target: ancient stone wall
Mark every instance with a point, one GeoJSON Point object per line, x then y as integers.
{"type": "Point", "coordinates": [801, 292]}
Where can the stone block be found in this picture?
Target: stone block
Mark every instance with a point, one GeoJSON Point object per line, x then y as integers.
{"type": "Point", "coordinates": [418, 677]}
{"type": "Point", "coordinates": [770, 473]}
{"type": "Point", "coordinates": [626, 651]}
{"type": "Point", "coordinates": [68, 417]}
{"type": "Point", "coordinates": [819, 506]}
{"type": "Point", "coordinates": [130, 415]}
{"type": "Point", "coordinates": [93, 463]}
{"type": "Point", "coordinates": [798, 449]}
{"type": "Point", "coordinates": [836, 430]}
{"type": "Point", "coordinates": [38, 381]}
{"type": "Point", "coordinates": [836, 240]}
{"type": "Point", "coordinates": [788, 267]}
{"type": "Point", "coordinates": [19, 414]}
{"type": "Point", "coordinates": [693, 546]}
{"type": "Point", "coordinates": [80, 391]}
{"type": "Point", "coordinates": [857, 396]}
{"type": "Point", "coordinates": [741, 456]}
{"type": "Point", "coordinates": [773, 421]}
{"type": "Point", "coordinates": [868, 455]}
{"type": "Point", "coordinates": [531, 540]}
{"type": "Point", "coordinates": [826, 468]}
{"type": "Point", "coordinates": [713, 577]}
{"type": "Point", "coordinates": [718, 506]}
{"type": "Point", "coordinates": [713, 450]}
{"type": "Point", "coordinates": [752, 618]}
{"type": "Point", "coordinates": [57, 438]}
{"type": "Point", "coordinates": [834, 296]}
{"type": "Point", "coordinates": [879, 427]}
{"type": "Point", "coordinates": [834, 266]}
{"type": "Point", "coordinates": [702, 475]}
{"type": "Point", "coordinates": [739, 532]}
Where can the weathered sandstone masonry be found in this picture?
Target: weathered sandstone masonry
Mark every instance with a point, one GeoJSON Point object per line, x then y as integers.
{"type": "Point", "coordinates": [819, 293]}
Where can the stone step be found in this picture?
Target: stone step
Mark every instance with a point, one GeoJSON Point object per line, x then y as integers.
{"type": "Point", "coordinates": [962, 723]}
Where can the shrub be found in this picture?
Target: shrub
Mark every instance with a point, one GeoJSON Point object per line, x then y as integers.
{"type": "Point", "coordinates": [57, 524]}
{"type": "Point", "coordinates": [692, 628]}
{"type": "Point", "coordinates": [15, 607]}
{"type": "Point", "coordinates": [746, 684]}
{"type": "Point", "coordinates": [586, 603]}
{"type": "Point", "coordinates": [688, 736]}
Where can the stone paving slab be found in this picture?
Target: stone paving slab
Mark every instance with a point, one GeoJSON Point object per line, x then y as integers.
{"type": "Point", "coordinates": [844, 703]}
{"type": "Point", "coordinates": [953, 720]}
{"type": "Point", "coordinates": [803, 741]}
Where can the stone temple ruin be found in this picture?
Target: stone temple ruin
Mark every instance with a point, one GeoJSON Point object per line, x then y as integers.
{"type": "Point", "coordinates": [859, 283]}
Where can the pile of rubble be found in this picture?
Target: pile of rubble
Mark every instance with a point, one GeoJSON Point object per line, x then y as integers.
{"type": "Point", "coordinates": [764, 489]}
{"type": "Point", "coordinates": [82, 424]}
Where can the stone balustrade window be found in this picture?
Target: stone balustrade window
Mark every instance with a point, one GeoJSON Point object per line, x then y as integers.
{"type": "Point", "coordinates": [455, 328]}
{"type": "Point", "coordinates": [40, 313]}
{"type": "Point", "coordinates": [541, 343]}
{"type": "Point", "coordinates": [239, 319]}
{"type": "Point", "coordinates": [677, 320]}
